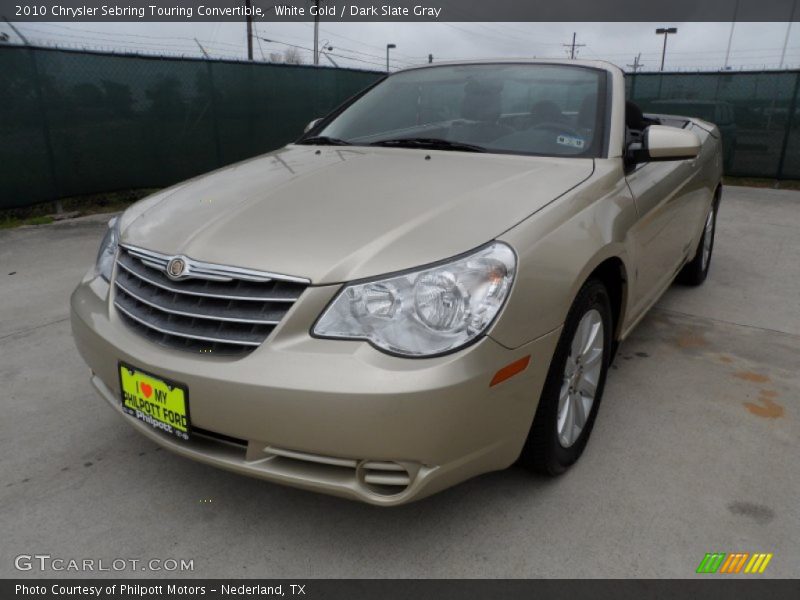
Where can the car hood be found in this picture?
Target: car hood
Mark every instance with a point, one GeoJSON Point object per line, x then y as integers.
{"type": "Point", "coordinates": [333, 214]}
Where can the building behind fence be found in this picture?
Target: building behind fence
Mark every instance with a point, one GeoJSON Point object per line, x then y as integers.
{"type": "Point", "coordinates": [74, 123]}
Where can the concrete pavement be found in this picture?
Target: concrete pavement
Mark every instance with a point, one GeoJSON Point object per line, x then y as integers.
{"type": "Point", "coordinates": [694, 450]}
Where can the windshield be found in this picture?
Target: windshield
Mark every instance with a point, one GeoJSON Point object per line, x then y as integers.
{"type": "Point", "coordinates": [550, 110]}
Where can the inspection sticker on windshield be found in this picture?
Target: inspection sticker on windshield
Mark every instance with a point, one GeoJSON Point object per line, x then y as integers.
{"type": "Point", "coordinates": [162, 405]}
{"type": "Point", "coordinates": [568, 140]}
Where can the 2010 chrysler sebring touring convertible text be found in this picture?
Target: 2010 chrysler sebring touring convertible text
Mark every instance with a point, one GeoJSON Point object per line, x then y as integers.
{"type": "Point", "coordinates": [429, 284]}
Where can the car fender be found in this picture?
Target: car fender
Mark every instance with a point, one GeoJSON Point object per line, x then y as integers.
{"type": "Point", "coordinates": [559, 247]}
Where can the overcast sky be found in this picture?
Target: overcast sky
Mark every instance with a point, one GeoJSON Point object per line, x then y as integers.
{"type": "Point", "coordinates": [363, 45]}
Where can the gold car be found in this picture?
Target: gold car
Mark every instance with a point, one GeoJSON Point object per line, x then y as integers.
{"type": "Point", "coordinates": [428, 285]}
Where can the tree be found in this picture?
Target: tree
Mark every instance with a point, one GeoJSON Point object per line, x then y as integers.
{"type": "Point", "coordinates": [292, 56]}
{"type": "Point", "coordinates": [275, 57]}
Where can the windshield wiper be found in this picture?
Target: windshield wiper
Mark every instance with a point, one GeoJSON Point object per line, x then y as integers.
{"type": "Point", "coordinates": [430, 143]}
{"type": "Point", "coordinates": [324, 140]}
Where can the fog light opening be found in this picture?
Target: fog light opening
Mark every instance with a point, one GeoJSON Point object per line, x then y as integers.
{"type": "Point", "coordinates": [383, 478]}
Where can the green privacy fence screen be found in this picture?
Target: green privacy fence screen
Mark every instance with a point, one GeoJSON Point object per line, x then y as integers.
{"type": "Point", "coordinates": [756, 112]}
{"type": "Point", "coordinates": [75, 123]}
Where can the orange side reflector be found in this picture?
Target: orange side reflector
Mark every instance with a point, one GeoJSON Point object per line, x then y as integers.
{"type": "Point", "coordinates": [507, 372]}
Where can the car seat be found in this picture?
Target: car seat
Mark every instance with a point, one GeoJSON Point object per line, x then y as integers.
{"type": "Point", "coordinates": [482, 105]}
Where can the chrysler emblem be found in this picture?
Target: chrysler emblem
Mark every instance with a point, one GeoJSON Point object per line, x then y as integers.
{"type": "Point", "coordinates": [176, 267]}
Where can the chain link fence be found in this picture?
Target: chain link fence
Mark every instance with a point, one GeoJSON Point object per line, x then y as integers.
{"type": "Point", "coordinates": [74, 123]}
{"type": "Point", "coordinates": [756, 112]}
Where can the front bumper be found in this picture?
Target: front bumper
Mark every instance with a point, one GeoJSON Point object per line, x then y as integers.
{"type": "Point", "coordinates": [327, 415]}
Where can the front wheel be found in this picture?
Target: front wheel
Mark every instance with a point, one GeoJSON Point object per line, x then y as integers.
{"type": "Point", "coordinates": [574, 386]}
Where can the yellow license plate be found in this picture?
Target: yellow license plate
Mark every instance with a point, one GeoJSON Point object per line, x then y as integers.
{"type": "Point", "coordinates": [163, 405]}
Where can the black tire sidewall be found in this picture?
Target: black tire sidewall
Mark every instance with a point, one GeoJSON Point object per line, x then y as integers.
{"type": "Point", "coordinates": [593, 295]}
{"type": "Point", "coordinates": [701, 271]}
{"type": "Point", "coordinates": [715, 208]}
{"type": "Point", "coordinates": [694, 273]}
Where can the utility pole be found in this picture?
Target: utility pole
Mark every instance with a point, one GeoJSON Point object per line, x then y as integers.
{"type": "Point", "coordinates": [636, 63]}
{"type": "Point", "coordinates": [249, 20]}
{"type": "Point", "coordinates": [665, 31]}
{"type": "Point", "coordinates": [388, 47]}
{"type": "Point", "coordinates": [430, 58]}
{"type": "Point", "coordinates": [573, 46]}
{"type": "Point", "coordinates": [788, 30]}
{"type": "Point", "coordinates": [316, 33]}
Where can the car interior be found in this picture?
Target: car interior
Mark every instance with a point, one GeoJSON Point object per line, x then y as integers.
{"type": "Point", "coordinates": [481, 121]}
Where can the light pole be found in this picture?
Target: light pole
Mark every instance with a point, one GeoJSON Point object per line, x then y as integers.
{"type": "Point", "coordinates": [388, 47]}
{"type": "Point", "coordinates": [788, 30]}
{"type": "Point", "coordinates": [730, 36]}
{"type": "Point", "coordinates": [665, 31]}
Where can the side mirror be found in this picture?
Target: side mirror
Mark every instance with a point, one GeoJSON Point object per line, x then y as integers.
{"type": "Point", "coordinates": [660, 143]}
{"type": "Point", "coordinates": [311, 125]}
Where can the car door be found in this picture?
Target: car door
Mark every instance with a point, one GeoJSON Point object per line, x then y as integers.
{"type": "Point", "coordinates": [660, 234]}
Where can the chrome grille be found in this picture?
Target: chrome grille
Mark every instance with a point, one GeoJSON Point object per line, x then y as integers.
{"type": "Point", "coordinates": [212, 309]}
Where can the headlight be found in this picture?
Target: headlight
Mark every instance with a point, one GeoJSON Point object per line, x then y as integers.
{"type": "Point", "coordinates": [427, 312]}
{"type": "Point", "coordinates": [108, 249]}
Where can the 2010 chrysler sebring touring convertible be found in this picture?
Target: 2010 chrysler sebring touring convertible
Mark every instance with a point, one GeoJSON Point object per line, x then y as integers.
{"type": "Point", "coordinates": [429, 284]}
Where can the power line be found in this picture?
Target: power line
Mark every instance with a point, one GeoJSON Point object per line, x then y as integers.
{"type": "Point", "coordinates": [503, 30]}
{"type": "Point", "coordinates": [104, 39]}
{"type": "Point", "coordinates": [137, 35]}
{"type": "Point", "coordinates": [176, 45]}
{"type": "Point", "coordinates": [331, 53]}
{"type": "Point", "coordinates": [258, 39]}
{"type": "Point", "coordinates": [772, 51]}
{"type": "Point", "coordinates": [376, 56]}
{"type": "Point", "coordinates": [203, 50]}
{"type": "Point", "coordinates": [507, 40]}
{"type": "Point", "coordinates": [360, 42]}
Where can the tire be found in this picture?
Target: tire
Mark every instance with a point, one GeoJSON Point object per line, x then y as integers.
{"type": "Point", "coordinates": [549, 449]}
{"type": "Point", "coordinates": [696, 270]}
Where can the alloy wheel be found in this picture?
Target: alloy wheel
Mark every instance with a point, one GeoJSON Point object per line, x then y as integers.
{"type": "Point", "coordinates": [581, 376]}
